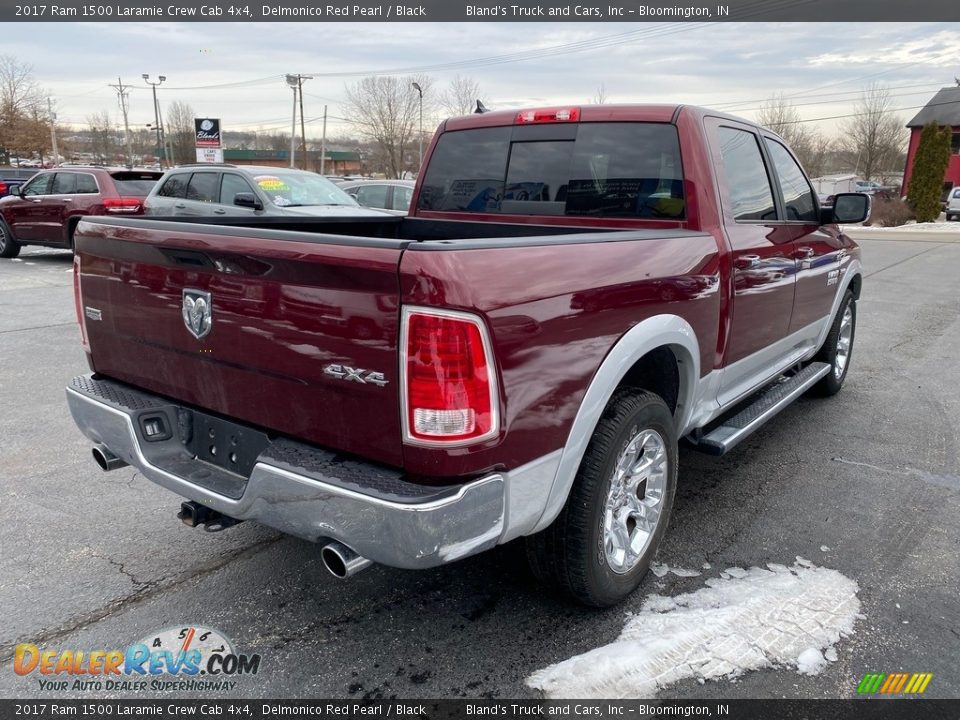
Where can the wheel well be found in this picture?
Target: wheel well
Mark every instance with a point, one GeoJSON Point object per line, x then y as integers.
{"type": "Point", "coordinates": [855, 286]}
{"type": "Point", "coordinates": [657, 371]}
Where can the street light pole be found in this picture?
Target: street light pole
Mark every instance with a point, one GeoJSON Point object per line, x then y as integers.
{"type": "Point", "coordinates": [416, 86]}
{"type": "Point", "coordinates": [293, 82]}
{"type": "Point", "coordinates": [156, 113]}
{"type": "Point", "coordinates": [303, 130]}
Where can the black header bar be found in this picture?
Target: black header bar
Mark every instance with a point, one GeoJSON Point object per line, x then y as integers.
{"type": "Point", "coordinates": [484, 11]}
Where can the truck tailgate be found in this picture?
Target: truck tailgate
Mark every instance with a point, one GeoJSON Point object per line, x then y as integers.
{"type": "Point", "coordinates": [302, 337]}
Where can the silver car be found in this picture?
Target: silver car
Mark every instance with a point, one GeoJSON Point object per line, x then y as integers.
{"type": "Point", "coordinates": [394, 196]}
{"type": "Point", "coordinates": [211, 190]}
{"type": "Point", "coordinates": [953, 204]}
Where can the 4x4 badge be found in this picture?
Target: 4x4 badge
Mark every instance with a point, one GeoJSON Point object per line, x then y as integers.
{"type": "Point", "coordinates": [197, 311]}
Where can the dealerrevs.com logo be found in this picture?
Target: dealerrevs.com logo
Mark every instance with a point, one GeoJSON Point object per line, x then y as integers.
{"type": "Point", "coordinates": [192, 658]}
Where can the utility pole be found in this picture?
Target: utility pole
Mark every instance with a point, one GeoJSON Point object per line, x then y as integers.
{"type": "Point", "coordinates": [53, 132]}
{"type": "Point", "coordinates": [303, 131]}
{"type": "Point", "coordinates": [416, 86]}
{"type": "Point", "coordinates": [123, 93]}
{"type": "Point", "coordinates": [293, 82]}
{"type": "Point", "coordinates": [156, 114]}
{"type": "Point", "coordinates": [323, 142]}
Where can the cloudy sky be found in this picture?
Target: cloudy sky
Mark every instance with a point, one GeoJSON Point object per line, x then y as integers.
{"type": "Point", "coordinates": [234, 71]}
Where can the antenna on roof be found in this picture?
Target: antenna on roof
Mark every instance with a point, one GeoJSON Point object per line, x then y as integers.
{"type": "Point", "coordinates": [481, 108]}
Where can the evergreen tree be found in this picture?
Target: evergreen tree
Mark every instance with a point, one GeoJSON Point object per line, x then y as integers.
{"type": "Point", "coordinates": [929, 166]}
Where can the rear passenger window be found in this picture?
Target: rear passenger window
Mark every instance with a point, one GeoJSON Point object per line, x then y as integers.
{"type": "Point", "coordinates": [372, 195]}
{"type": "Point", "coordinates": [401, 197]}
{"type": "Point", "coordinates": [87, 184]}
{"type": "Point", "coordinates": [203, 187]}
{"type": "Point", "coordinates": [174, 186]}
{"type": "Point", "coordinates": [230, 186]}
{"type": "Point", "coordinates": [797, 194]}
{"type": "Point", "coordinates": [64, 184]}
{"type": "Point", "coordinates": [746, 175]}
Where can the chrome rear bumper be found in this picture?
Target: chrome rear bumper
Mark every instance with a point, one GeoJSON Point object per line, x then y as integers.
{"type": "Point", "coordinates": [299, 489]}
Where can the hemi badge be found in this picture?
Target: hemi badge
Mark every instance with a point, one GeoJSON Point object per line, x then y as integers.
{"type": "Point", "coordinates": [92, 313]}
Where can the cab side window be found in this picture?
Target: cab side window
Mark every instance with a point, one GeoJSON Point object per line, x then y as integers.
{"type": "Point", "coordinates": [64, 184]}
{"type": "Point", "coordinates": [797, 194]}
{"type": "Point", "coordinates": [746, 173]}
{"type": "Point", "coordinates": [203, 186]}
{"type": "Point", "coordinates": [401, 197]}
{"type": "Point", "coordinates": [87, 184]}
{"type": "Point", "coordinates": [40, 185]}
{"type": "Point", "coordinates": [232, 184]}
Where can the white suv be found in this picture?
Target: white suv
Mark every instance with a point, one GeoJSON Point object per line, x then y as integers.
{"type": "Point", "coordinates": [953, 204]}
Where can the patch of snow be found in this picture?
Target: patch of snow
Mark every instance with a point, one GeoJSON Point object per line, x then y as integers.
{"type": "Point", "coordinates": [824, 548]}
{"type": "Point", "coordinates": [909, 227]}
{"type": "Point", "coordinates": [810, 662]}
{"type": "Point", "coordinates": [898, 605]}
{"type": "Point", "coordinates": [752, 619]}
{"type": "Point", "coordinates": [803, 561]}
{"type": "Point", "coordinates": [830, 654]}
{"type": "Point", "coordinates": [661, 569]}
{"type": "Point", "coordinates": [707, 566]}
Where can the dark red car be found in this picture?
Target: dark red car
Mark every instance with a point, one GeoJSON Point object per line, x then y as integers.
{"type": "Point", "coordinates": [47, 208]}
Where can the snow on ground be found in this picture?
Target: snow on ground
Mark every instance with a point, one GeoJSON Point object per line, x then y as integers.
{"type": "Point", "coordinates": [661, 569]}
{"type": "Point", "coordinates": [750, 619]}
{"type": "Point", "coordinates": [935, 227]}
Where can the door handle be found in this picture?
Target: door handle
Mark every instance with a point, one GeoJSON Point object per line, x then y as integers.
{"type": "Point", "coordinates": [180, 206]}
{"type": "Point", "coordinates": [220, 212]}
{"type": "Point", "coordinates": [804, 253]}
{"type": "Point", "coordinates": [66, 200]}
{"type": "Point", "coordinates": [746, 262]}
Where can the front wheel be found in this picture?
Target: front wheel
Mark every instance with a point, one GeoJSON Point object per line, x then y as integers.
{"type": "Point", "coordinates": [9, 248]}
{"type": "Point", "coordinates": [601, 545]}
{"type": "Point", "coordinates": [837, 349]}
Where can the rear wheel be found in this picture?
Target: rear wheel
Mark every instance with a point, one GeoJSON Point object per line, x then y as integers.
{"type": "Point", "coordinates": [9, 248]}
{"type": "Point", "coordinates": [601, 545]}
{"type": "Point", "coordinates": [837, 349]}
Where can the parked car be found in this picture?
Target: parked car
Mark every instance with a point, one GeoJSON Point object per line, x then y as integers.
{"type": "Point", "coordinates": [10, 186]}
{"type": "Point", "coordinates": [204, 190]}
{"type": "Point", "coordinates": [48, 206]}
{"type": "Point", "coordinates": [953, 205]}
{"type": "Point", "coordinates": [500, 364]}
{"type": "Point", "coordinates": [394, 196]}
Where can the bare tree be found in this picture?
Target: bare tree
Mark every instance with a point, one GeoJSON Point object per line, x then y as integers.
{"type": "Point", "coordinates": [385, 110]}
{"type": "Point", "coordinates": [811, 147]}
{"type": "Point", "coordinates": [873, 137]}
{"type": "Point", "coordinates": [102, 136]}
{"type": "Point", "coordinates": [21, 106]}
{"type": "Point", "coordinates": [181, 133]}
{"type": "Point", "coordinates": [460, 98]}
{"type": "Point", "coordinates": [600, 97]}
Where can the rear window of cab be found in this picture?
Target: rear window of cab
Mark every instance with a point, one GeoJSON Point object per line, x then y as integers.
{"type": "Point", "coordinates": [616, 170]}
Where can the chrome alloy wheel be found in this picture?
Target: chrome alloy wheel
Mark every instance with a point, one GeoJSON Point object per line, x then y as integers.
{"type": "Point", "coordinates": [634, 500]}
{"type": "Point", "coordinates": [843, 342]}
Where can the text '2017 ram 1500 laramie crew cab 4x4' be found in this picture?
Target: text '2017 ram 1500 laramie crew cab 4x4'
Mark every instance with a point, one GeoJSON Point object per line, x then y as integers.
{"type": "Point", "coordinates": [574, 291]}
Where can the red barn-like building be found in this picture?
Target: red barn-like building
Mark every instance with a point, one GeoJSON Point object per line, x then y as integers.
{"type": "Point", "coordinates": [944, 109]}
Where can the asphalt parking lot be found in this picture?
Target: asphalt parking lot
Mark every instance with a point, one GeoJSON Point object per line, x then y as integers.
{"type": "Point", "coordinates": [866, 483]}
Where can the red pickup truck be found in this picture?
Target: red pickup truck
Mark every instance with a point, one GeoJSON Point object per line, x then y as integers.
{"type": "Point", "coordinates": [574, 291]}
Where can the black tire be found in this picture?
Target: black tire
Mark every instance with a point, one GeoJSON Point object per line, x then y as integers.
{"type": "Point", "coordinates": [950, 217]}
{"type": "Point", "coordinates": [9, 248]}
{"type": "Point", "coordinates": [831, 383]}
{"type": "Point", "coordinates": [570, 553]}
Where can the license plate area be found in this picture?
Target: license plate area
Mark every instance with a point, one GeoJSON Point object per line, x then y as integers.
{"type": "Point", "coordinates": [221, 443]}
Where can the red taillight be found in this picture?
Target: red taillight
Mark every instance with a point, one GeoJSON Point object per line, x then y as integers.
{"type": "Point", "coordinates": [548, 115]}
{"type": "Point", "coordinates": [122, 205]}
{"type": "Point", "coordinates": [449, 379]}
{"type": "Point", "coordinates": [78, 303]}
{"type": "Point", "coordinates": [3, 188]}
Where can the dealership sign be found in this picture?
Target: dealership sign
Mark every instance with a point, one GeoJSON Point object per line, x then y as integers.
{"type": "Point", "coordinates": [208, 132]}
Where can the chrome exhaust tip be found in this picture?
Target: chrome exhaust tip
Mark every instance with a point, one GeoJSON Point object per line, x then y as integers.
{"type": "Point", "coordinates": [106, 459]}
{"type": "Point", "coordinates": [341, 561]}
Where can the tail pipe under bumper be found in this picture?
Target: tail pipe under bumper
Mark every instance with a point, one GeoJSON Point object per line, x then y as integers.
{"type": "Point", "coordinates": [341, 561]}
{"type": "Point", "coordinates": [106, 459]}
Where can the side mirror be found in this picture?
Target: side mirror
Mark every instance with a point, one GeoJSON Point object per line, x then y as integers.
{"type": "Point", "coordinates": [247, 200]}
{"type": "Point", "coordinates": [848, 208]}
